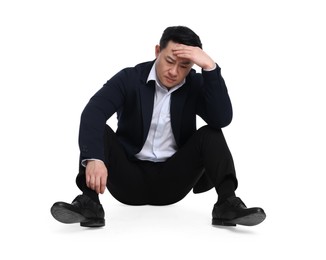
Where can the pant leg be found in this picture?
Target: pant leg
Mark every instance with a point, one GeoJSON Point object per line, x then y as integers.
{"type": "Point", "coordinates": [205, 153]}
{"type": "Point", "coordinates": [126, 180]}
{"type": "Point", "coordinates": [140, 183]}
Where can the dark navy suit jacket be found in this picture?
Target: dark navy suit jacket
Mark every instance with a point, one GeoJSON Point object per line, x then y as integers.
{"type": "Point", "coordinates": [127, 93]}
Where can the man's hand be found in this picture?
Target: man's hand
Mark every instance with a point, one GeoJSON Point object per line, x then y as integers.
{"type": "Point", "coordinates": [195, 55]}
{"type": "Point", "coordinates": [96, 176]}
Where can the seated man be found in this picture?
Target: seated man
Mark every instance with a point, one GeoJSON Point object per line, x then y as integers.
{"type": "Point", "coordinates": [157, 155]}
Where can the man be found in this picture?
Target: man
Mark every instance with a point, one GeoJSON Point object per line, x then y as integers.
{"type": "Point", "coordinates": [157, 155]}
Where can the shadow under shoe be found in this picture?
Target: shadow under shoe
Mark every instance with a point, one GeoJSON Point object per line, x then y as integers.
{"type": "Point", "coordinates": [82, 210]}
{"type": "Point", "coordinates": [233, 211]}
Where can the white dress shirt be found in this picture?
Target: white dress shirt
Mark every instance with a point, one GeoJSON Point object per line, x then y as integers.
{"type": "Point", "coordinates": [160, 143]}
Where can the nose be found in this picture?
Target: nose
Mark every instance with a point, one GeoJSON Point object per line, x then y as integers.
{"type": "Point", "coordinates": [173, 71]}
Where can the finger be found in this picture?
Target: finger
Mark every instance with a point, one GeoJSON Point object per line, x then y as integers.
{"type": "Point", "coordinates": [98, 185]}
{"type": "Point", "coordinates": [103, 184]}
{"type": "Point", "coordinates": [183, 53]}
{"type": "Point", "coordinates": [88, 180]}
{"type": "Point", "coordinates": [184, 48]}
{"type": "Point", "coordinates": [88, 176]}
{"type": "Point", "coordinates": [180, 50]}
{"type": "Point", "coordinates": [92, 183]}
{"type": "Point", "coordinates": [180, 53]}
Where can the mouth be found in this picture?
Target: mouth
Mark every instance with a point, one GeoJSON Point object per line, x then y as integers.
{"type": "Point", "coordinates": [169, 80]}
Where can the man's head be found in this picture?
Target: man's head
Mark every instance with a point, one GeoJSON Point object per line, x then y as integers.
{"type": "Point", "coordinates": [180, 34]}
{"type": "Point", "coordinates": [172, 70]}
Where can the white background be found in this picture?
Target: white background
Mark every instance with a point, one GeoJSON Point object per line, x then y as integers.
{"type": "Point", "coordinates": [55, 54]}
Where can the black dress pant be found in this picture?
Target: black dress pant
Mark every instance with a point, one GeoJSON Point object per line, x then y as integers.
{"type": "Point", "coordinates": [137, 182]}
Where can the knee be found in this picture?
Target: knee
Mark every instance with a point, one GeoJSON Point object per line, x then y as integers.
{"type": "Point", "coordinates": [208, 130]}
{"type": "Point", "coordinates": [108, 130]}
{"type": "Point", "coordinates": [210, 136]}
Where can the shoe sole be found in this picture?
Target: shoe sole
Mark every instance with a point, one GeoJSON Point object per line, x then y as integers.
{"type": "Point", "coordinates": [249, 220]}
{"type": "Point", "coordinates": [96, 222]}
{"type": "Point", "coordinates": [65, 213]}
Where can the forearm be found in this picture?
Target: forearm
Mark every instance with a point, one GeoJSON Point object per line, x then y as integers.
{"type": "Point", "coordinates": [91, 133]}
{"type": "Point", "coordinates": [217, 107]}
{"type": "Point", "coordinates": [94, 117]}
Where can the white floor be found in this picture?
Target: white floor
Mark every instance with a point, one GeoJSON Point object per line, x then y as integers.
{"type": "Point", "coordinates": [56, 54]}
{"type": "Point", "coordinates": [292, 229]}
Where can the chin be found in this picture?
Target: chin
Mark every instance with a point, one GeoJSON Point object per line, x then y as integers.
{"type": "Point", "coordinates": [170, 84]}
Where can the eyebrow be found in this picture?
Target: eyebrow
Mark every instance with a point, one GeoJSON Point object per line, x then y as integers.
{"type": "Point", "coordinates": [170, 58]}
{"type": "Point", "coordinates": [174, 60]}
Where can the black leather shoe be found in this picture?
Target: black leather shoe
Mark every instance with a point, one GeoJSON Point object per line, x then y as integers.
{"type": "Point", "coordinates": [82, 210]}
{"type": "Point", "coordinates": [233, 211]}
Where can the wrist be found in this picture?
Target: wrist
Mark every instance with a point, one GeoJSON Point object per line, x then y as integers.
{"type": "Point", "coordinates": [86, 161]}
{"type": "Point", "coordinates": [210, 67]}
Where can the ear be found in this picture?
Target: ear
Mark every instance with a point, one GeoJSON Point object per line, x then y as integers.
{"type": "Point", "coordinates": [157, 50]}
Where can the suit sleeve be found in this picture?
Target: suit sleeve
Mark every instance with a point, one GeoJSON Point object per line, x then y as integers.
{"type": "Point", "coordinates": [98, 110]}
{"type": "Point", "coordinates": [215, 106]}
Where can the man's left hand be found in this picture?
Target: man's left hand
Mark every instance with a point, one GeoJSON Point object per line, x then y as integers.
{"type": "Point", "coordinates": [195, 55]}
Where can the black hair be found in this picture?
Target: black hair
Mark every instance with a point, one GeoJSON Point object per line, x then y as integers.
{"type": "Point", "coordinates": [180, 34]}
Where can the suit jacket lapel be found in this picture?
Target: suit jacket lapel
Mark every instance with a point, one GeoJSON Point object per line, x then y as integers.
{"type": "Point", "coordinates": [147, 103]}
{"type": "Point", "coordinates": [178, 100]}
{"type": "Point", "coordinates": [146, 93]}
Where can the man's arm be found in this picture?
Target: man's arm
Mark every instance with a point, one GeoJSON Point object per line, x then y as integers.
{"type": "Point", "coordinates": [216, 107]}
{"type": "Point", "coordinates": [194, 54]}
{"type": "Point", "coordinates": [95, 115]}
{"type": "Point", "coordinates": [92, 128]}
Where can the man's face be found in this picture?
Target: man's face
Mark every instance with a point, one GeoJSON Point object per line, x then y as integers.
{"type": "Point", "coordinates": [170, 69]}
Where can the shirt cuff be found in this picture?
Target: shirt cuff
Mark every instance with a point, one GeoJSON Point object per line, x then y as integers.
{"type": "Point", "coordinates": [211, 69]}
{"type": "Point", "coordinates": [84, 162]}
